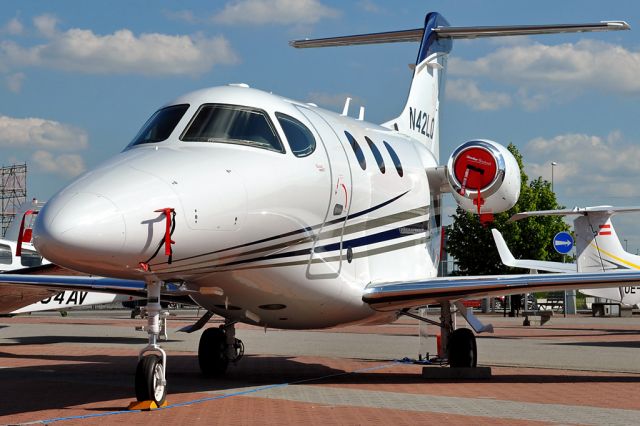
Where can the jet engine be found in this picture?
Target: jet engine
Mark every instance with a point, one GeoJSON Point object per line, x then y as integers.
{"type": "Point", "coordinates": [484, 177]}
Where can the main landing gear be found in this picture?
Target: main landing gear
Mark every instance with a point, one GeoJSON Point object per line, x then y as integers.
{"type": "Point", "coordinates": [218, 347]}
{"type": "Point", "coordinates": [458, 345]}
{"type": "Point", "coordinates": [151, 373]}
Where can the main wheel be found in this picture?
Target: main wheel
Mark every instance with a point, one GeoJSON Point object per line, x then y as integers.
{"type": "Point", "coordinates": [212, 352]}
{"type": "Point", "coordinates": [150, 380]}
{"type": "Point", "coordinates": [463, 351]}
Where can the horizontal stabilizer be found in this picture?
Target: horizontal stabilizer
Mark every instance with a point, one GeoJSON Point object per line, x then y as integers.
{"type": "Point", "coordinates": [373, 38]}
{"type": "Point", "coordinates": [515, 30]}
{"type": "Point", "coordinates": [458, 33]}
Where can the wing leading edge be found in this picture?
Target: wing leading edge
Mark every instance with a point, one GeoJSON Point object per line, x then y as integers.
{"type": "Point", "coordinates": [17, 290]}
{"type": "Point", "coordinates": [396, 296]}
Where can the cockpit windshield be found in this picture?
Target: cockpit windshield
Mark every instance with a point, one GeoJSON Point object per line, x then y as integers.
{"type": "Point", "coordinates": [159, 127]}
{"type": "Point", "coordinates": [232, 124]}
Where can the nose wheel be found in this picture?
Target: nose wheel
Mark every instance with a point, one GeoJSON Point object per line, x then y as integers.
{"type": "Point", "coordinates": [151, 384]}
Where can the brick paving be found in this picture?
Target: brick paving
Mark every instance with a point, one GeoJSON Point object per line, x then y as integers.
{"type": "Point", "coordinates": [66, 375]}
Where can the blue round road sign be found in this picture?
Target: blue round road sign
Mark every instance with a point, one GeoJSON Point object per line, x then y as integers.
{"type": "Point", "coordinates": [563, 242]}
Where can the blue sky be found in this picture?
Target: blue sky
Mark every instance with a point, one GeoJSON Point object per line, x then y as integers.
{"type": "Point", "coordinates": [78, 79]}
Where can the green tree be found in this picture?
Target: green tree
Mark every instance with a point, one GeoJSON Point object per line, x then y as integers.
{"type": "Point", "coordinates": [472, 245]}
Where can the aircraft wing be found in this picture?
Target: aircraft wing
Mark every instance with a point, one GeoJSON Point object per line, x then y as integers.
{"type": "Point", "coordinates": [402, 295]}
{"type": "Point", "coordinates": [18, 290]}
{"type": "Point", "coordinates": [540, 265]}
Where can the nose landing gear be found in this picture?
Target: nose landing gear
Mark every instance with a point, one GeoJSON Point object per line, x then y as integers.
{"type": "Point", "coordinates": [151, 372]}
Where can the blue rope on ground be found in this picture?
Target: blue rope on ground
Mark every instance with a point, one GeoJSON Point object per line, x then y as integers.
{"type": "Point", "coordinates": [212, 398]}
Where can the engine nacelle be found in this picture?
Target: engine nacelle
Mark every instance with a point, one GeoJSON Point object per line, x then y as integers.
{"type": "Point", "coordinates": [482, 172]}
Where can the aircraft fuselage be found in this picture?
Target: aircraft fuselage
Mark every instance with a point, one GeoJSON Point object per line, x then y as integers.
{"type": "Point", "coordinates": [266, 230]}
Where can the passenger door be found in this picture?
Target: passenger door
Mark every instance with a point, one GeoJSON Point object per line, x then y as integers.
{"type": "Point", "coordinates": [326, 256]}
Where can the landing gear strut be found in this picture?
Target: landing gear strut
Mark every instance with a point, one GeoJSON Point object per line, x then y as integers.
{"type": "Point", "coordinates": [459, 345]}
{"type": "Point", "coordinates": [151, 373]}
{"type": "Point", "coordinates": [218, 347]}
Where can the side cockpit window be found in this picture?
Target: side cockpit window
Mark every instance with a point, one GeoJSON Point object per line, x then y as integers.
{"type": "Point", "coordinates": [301, 141]}
{"type": "Point", "coordinates": [232, 124]}
{"type": "Point", "coordinates": [160, 126]}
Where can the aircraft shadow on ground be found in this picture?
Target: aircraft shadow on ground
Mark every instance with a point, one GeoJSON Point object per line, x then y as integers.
{"type": "Point", "coordinates": [94, 379]}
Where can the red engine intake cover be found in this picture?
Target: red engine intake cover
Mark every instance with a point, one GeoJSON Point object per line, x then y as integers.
{"type": "Point", "coordinates": [475, 168]}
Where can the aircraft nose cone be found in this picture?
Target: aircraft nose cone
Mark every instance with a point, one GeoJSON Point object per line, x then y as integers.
{"type": "Point", "coordinates": [73, 228]}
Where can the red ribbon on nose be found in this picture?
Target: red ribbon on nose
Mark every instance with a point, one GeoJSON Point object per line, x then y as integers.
{"type": "Point", "coordinates": [167, 233]}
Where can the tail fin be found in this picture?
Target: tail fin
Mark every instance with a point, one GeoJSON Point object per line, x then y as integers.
{"type": "Point", "coordinates": [419, 118]}
{"type": "Point", "coordinates": [598, 247]}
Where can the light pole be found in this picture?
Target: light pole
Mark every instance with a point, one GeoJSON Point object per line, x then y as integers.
{"type": "Point", "coordinates": [553, 164]}
{"type": "Point", "coordinates": [626, 247]}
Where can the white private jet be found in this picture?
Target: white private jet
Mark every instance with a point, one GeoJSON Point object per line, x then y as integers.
{"type": "Point", "coordinates": [598, 249]}
{"type": "Point", "coordinates": [278, 213]}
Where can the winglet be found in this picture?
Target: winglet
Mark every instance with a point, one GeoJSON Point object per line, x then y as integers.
{"type": "Point", "coordinates": [540, 265]}
{"type": "Point", "coordinates": [505, 254]}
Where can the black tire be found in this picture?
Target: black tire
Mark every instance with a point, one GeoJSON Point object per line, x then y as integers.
{"type": "Point", "coordinates": [463, 351]}
{"type": "Point", "coordinates": [212, 352]}
{"type": "Point", "coordinates": [149, 378]}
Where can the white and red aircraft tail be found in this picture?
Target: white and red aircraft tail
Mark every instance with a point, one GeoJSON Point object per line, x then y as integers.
{"type": "Point", "coordinates": [598, 249]}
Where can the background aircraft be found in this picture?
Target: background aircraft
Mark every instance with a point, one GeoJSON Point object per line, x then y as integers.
{"type": "Point", "coordinates": [278, 213]}
{"type": "Point", "coordinates": [598, 248]}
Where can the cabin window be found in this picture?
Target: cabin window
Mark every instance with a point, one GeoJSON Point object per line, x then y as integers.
{"type": "Point", "coordinates": [5, 255]}
{"type": "Point", "coordinates": [395, 159]}
{"type": "Point", "coordinates": [376, 154]}
{"type": "Point", "coordinates": [357, 150]}
{"type": "Point", "coordinates": [30, 258]}
{"type": "Point", "coordinates": [234, 125]}
{"type": "Point", "coordinates": [301, 141]}
{"type": "Point", "coordinates": [159, 127]}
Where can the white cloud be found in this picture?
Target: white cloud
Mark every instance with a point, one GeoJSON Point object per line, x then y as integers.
{"type": "Point", "coordinates": [66, 164]}
{"type": "Point", "coordinates": [122, 52]}
{"type": "Point", "coordinates": [467, 92]}
{"type": "Point", "coordinates": [285, 12]}
{"type": "Point", "coordinates": [587, 64]}
{"type": "Point", "coordinates": [26, 133]}
{"type": "Point", "coordinates": [589, 167]}
{"type": "Point", "coordinates": [13, 27]}
{"type": "Point", "coordinates": [369, 6]}
{"type": "Point", "coordinates": [14, 82]}
{"type": "Point", "coordinates": [535, 101]}
{"type": "Point", "coordinates": [46, 25]}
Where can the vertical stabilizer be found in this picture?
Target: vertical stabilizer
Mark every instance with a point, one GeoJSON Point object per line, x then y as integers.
{"type": "Point", "coordinates": [598, 247]}
{"type": "Point", "coordinates": [420, 116]}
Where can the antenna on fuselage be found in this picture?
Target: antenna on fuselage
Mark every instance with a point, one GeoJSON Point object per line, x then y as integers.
{"type": "Point", "coordinates": [345, 110]}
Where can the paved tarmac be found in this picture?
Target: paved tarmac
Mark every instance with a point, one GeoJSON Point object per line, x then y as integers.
{"type": "Point", "coordinates": [79, 369]}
